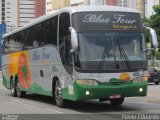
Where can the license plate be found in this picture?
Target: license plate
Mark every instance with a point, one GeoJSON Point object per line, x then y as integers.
{"type": "Point", "coordinates": [155, 80]}
{"type": "Point", "coordinates": [114, 96]}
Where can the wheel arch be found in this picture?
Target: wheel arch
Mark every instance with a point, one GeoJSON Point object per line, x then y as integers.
{"type": "Point", "coordinates": [15, 78]}
{"type": "Point", "coordinates": [10, 79]}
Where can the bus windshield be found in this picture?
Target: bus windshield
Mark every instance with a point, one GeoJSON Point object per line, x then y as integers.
{"type": "Point", "coordinates": [93, 45]}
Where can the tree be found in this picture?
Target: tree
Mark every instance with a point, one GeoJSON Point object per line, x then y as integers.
{"type": "Point", "coordinates": [154, 22]}
{"type": "Point", "coordinates": [146, 24]}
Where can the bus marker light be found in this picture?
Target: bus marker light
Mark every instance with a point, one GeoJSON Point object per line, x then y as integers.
{"type": "Point", "coordinates": [87, 92]}
{"type": "Point", "coordinates": [146, 78]}
{"type": "Point", "coordinates": [70, 90]}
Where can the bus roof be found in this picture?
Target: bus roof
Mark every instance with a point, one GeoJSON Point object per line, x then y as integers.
{"type": "Point", "coordinates": [72, 10]}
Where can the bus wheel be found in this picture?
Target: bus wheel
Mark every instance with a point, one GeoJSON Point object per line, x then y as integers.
{"type": "Point", "coordinates": [58, 96]}
{"type": "Point", "coordinates": [117, 101]}
{"type": "Point", "coordinates": [20, 93]}
{"type": "Point", "coordinates": [157, 83]}
{"type": "Point", "coordinates": [13, 88]}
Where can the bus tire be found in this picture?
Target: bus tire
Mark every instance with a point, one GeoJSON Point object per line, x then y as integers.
{"type": "Point", "coordinates": [13, 88]}
{"type": "Point", "coordinates": [117, 101]}
{"type": "Point", "coordinates": [20, 93]}
{"type": "Point", "coordinates": [157, 83]}
{"type": "Point", "coordinates": [60, 102]}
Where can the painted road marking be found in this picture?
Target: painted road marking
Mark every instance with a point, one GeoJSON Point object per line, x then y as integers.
{"type": "Point", "coordinates": [54, 110]}
{"type": "Point", "coordinates": [31, 104]}
{"type": "Point", "coordinates": [14, 100]}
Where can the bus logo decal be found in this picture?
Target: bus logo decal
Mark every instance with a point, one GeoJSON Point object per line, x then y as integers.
{"type": "Point", "coordinates": [23, 71]}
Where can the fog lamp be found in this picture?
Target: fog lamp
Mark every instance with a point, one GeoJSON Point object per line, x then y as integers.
{"type": "Point", "coordinates": [140, 89]}
{"type": "Point", "coordinates": [87, 92]}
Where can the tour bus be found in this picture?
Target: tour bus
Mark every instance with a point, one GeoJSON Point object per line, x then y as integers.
{"type": "Point", "coordinates": [79, 53]}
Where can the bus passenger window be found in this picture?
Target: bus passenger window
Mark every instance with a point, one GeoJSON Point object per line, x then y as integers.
{"type": "Point", "coordinates": [39, 34]}
{"type": "Point", "coordinates": [51, 31]}
{"type": "Point", "coordinates": [29, 34]}
{"type": "Point", "coordinates": [4, 47]}
{"type": "Point", "coordinates": [35, 44]}
{"type": "Point", "coordinates": [20, 39]}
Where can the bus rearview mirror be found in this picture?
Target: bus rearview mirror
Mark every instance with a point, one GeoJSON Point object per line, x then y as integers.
{"type": "Point", "coordinates": [153, 37]}
{"type": "Point", "coordinates": [74, 39]}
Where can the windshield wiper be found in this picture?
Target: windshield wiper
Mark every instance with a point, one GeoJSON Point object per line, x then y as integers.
{"type": "Point", "coordinates": [124, 55]}
{"type": "Point", "coordinates": [103, 59]}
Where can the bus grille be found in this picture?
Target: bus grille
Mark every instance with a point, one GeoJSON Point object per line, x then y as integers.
{"type": "Point", "coordinates": [116, 83]}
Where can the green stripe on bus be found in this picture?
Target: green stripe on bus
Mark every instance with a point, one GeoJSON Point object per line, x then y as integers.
{"type": "Point", "coordinates": [35, 88]}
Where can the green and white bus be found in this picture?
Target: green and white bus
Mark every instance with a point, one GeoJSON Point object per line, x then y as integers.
{"type": "Point", "coordinates": [78, 53]}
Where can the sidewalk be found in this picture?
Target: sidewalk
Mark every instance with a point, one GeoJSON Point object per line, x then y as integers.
{"type": "Point", "coordinates": [0, 77]}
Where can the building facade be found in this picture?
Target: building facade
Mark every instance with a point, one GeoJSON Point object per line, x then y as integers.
{"type": "Point", "coordinates": [87, 2]}
{"type": "Point", "coordinates": [39, 8]}
{"type": "Point", "coordinates": [135, 4]}
{"type": "Point", "coordinates": [11, 14]}
{"type": "Point", "coordinates": [49, 6]}
{"type": "Point", "coordinates": [111, 2]}
{"type": "Point", "coordinates": [78, 2]}
{"type": "Point", "coordinates": [140, 6]}
{"type": "Point", "coordinates": [148, 5]}
{"type": "Point", "coordinates": [17, 13]}
{"type": "Point", "coordinates": [58, 4]}
{"type": "Point", "coordinates": [97, 2]}
{"type": "Point", "coordinates": [0, 12]}
{"type": "Point", "coordinates": [26, 11]}
{"type": "Point", "coordinates": [2, 2]}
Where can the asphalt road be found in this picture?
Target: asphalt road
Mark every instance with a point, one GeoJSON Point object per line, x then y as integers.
{"type": "Point", "coordinates": [41, 107]}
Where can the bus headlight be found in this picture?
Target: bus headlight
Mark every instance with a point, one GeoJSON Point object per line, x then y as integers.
{"type": "Point", "coordinates": [87, 82]}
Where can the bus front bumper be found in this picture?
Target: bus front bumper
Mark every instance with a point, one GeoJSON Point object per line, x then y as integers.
{"type": "Point", "coordinates": [79, 92]}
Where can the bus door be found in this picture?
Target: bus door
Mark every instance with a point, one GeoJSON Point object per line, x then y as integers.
{"type": "Point", "coordinates": [65, 42]}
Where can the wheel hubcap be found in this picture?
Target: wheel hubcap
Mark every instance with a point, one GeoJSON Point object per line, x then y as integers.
{"type": "Point", "coordinates": [58, 92]}
{"type": "Point", "coordinates": [18, 88]}
{"type": "Point", "coordinates": [12, 87]}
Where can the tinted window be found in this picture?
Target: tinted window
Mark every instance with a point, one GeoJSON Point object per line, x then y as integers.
{"type": "Point", "coordinates": [12, 44]}
{"type": "Point", "coordinates": [39, 35]}
{"type": "Point", "coordinates": [65, 41]}
{"type": "Point", "coordinates": [28, 38]}
{"type": "Point", "coordinates": [51, 31]}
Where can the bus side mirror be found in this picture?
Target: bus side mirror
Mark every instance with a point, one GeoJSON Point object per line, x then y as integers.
{"type": "Point", "coordinates": [74, 39]}
{"type": "Point", "coordinates": [153, 37]}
